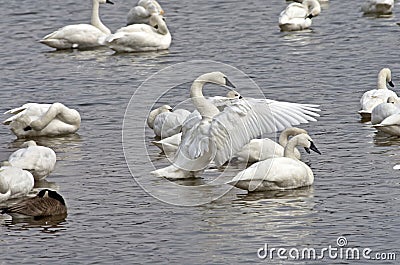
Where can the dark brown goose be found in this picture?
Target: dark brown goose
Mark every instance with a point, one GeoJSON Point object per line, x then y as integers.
{"type": "Point", "coordinates": [45, 203]}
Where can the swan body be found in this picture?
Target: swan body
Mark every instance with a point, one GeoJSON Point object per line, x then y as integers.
{"type": "Point", "coordinates": [33, 119]}
{"type": "Point", "coordinates": [262, 149]}
{"type": "Point", "coordinates": [39, 160]}
{"type": "Point", "coordinates": [80, 36]}
{"type": "Point", "coordinates": [378, 7]}
{"type": "Point", "coordinates": [220, 134]}
{"type": "Point", "coordinates": [45, 203]}
{"type": "Point", "coordinates": [14, 182]}
{"type": "Point", "coordinates": [167, 124]}
{"type": "Point", "coordinates": [297, 16]}
{"type": "Point", "coordinates": [141, 37]}
{"type": "Point", "coordinates": [140, 14]}
{"type": "Point", "coordinates": [374, 97]}
{"type": "Point", "coordinates": [279, 173]}
{"type": "Point", "coordinates": [386, 117]}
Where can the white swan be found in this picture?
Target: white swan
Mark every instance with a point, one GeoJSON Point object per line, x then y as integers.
{"type": "Point", "coordinates": [140, 14]}
{"type": "Point", "coordinates": [167, 124]}
{"type": "Point", "coordinates": [80, 36]}
{"type": "Point", "coordinates": [169, 145]}
{"type": "Point", "coordinates": [141, 37]}
{"type": "Point", "coordinates": [278, 173]}
{"type": "Point", "coordinates": [220, 134]}
{"type": "Point", "coordinates": [14, 182]}
{"type": "Point", "coordinates": [39, 160]}
{"type": "Point", "coordinates": [374, 97]}
{"type": "Point", "coordinates": [378, 7]}
{"type": "Point", "coordinates": [386, 117]}
{"type": "Point", "coordinates": [33, 119]}
{"type": "Point", "coordinates": [297, 16]}
{"type": "Point", "coordinates": [262, 149]}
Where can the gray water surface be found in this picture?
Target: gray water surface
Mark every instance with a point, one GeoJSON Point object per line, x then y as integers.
{"type": "Point", "coordinates": [113, 220]}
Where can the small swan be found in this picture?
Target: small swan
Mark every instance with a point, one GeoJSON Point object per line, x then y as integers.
{"type": "Point", "coordinates": [378, 7]}
{"type": "Point", "coordinates": [374, 97]}
{"type": "Point", "coordinates": [220, 134]}
{"type": "Point", "coordinates": [386, 117]}
{"type": "Point", "coordinates": [39, 160]}
{"type": "Point", "coordinates": [33, 119]}
{"type": "Point", "coordinates": [80, 36]}
{"type": "Point", "coordinates": [45, 203]}
{"type": "Point", "coordinates": [167, 124]}
{"type": "Point", "coordinates": [14, 182]}
{"type": "Point", "coordinates": [297, 16]}
{"type": "Point", "coordinates": [140, 14]}
{"type": "Point", "coordinates": [262, 149]}
{"type": "Point", "coordinates": [141, 37]}
{"type": "Point", "coordinates": [279, 173]}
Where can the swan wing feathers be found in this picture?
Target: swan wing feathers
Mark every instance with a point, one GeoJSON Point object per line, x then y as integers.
{"type": "Point", "coordinates": [249, 118]}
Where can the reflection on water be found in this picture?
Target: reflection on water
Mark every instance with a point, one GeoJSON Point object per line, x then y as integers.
{"type": "Point", "coordinates": [49, 224]}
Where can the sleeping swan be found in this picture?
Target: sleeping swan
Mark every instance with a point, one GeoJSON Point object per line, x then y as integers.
{"type": "Point", "coordinates": [39, 160]}
{"type": "Point", "coordinates": [140, 14]}
{"type": "Point", "coordinates": [262, 149]}
{"type": "Point", "coordinates": [33, 119]}
{"type": "Point", "coordinates": [297, 16]}
{"type": "Point", "coordinates": [378, 7]}
{"type": "Point", "coordinates": [80, 36]}
{"type": "Point", "coordinates": [141, 37]}
{"type": "Point", "coordinates": [278, 173]}
{"type": "Point", "coordinates": [386, 117]}
{"type": "Point", "coordinates": [14, 182]}
{"type": "Point", "coordinates": [220, 134]}
{"type": "Point", "coordinates": [374, 97]}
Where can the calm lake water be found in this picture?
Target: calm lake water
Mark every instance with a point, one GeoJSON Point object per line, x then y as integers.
{"type": "Point", "coordinates": [112, 219]}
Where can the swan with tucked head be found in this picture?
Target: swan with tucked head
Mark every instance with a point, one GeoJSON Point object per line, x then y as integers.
{"type": "Point", "coordinates": [33, 119]}
{"type": "Point", "coordinates": [80, 36]}
{"type": "Point", "coordinates": [279, 173]}
{"type": "Point", "coordinates": [386, 117]}
{"type": "Point", "coordinates": [297, 16]}
{"type": "Point", "coordinates": [140, 14]}
{"type": "Point", "coordinates": [39, 160]}
{"type": "Point", "coordinates": [374, 97]}
{"type": "Point", "coordinates": [220, 134]}
{"type": "Point", "coordinates": [14, 182]}
{"type": "Point", "coordinates": [262, 149]}
{"type": "Point", "coordinates": [141, 37]}
{"type": "Point", "coordinates": [378, 7]}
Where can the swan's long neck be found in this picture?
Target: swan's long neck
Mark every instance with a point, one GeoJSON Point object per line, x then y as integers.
{"type": "Point", "coordinates": [284, 137]}
{"type": "Point", "coordinates": [205, 108]}
{"type": "Point", "coordinates": [383, 77]}
{"type": "Point", "coordinates": [152, 117]}
{"type": "Point", "coordinates": [162, 28]}
{"type": "Point", "coordinates": [96, 18]}
{"type": "Point", "coordinates": [289, 149]}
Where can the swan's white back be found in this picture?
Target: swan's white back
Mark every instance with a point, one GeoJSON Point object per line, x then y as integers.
{"type": "Point", "coordinates": [140, 14]}
{"type": "Point", "coordinates": [14, 182]}
{"type": "Point", "coordinates": [379, 7]}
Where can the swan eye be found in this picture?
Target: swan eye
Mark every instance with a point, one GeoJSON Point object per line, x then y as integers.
{"type": "Point", "coordinates": [156, 26]}
{"type": "Point", "coordinates": [163, 19]}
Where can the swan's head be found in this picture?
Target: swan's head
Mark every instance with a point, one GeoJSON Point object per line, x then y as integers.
{"type": "Point", "coordinates": [233, 94]}
{"type": "Point", "coordinates": [305, 141]}
{"type": "Point", "coordinates": [386, 74]}
{"type": "Point", "coordinates": [391, 100]}
{"type": "Point", "coordinates": [313, 6]}
{"type": "Point", "coordinates": [104, 2]}
{"type": "Point", "coordinates": [157, 21]}
{"type": "Point", "coordinates": [216, 78]}
{"type": "Point", "coordinates": [29, 143]}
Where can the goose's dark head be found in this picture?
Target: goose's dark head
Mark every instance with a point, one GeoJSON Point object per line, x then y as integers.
{"type": "Point", "coordinates": [51, 194]}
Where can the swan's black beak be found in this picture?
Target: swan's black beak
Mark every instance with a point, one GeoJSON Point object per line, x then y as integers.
{"type": "Point", "coordinates": [109, 2]}
{"type": "Point", "coordinates": [310, 16]}
{"type": "Point", "coordinates": [240, 97]}
{"type": "Point", "coordinates": [312, 147]}
{"type": "Point", "coordinates": [228, 83]}
{"type": "Point", "coordinates": [391, 83]}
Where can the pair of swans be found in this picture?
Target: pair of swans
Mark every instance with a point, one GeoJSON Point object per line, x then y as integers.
{"type": "Point", "coordinates": [279, 173]}
{"type": "Point", "coordinates": [378, 7]}
{"type": "Point", "coordinates": [33, 120]}
{"type": "Point", "coordinates": [297, 16]}
{"type": "Point", "coordinates": [220, 134]}
{"type": "Point", "coordinates": [374, 97]}
{"type": "Point", "coordinates": [134, 38]}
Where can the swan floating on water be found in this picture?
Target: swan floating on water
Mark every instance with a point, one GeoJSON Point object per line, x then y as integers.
{"type": "Point", "coordinates": [80, 36]}
{"type": "Point", "coordinates": [141, 37]}
{"type": "Point", "coordinates": [279, 173]}
{"type": "Point", "coordinates": [34, 119]}
{"type": "Point", "coordinates": [378, 7]}
{"type": "Point", "coordinates": [45, 203]}
{"type": "Point", "coordinates": [262, 149]}
{"type": "Point", "coordinates": [14, 182]}
{"type": "Point", "coordinates": [140, 14]}
{"type": "Point", "coordinates": [167, 124]}
{"type": "Point", "coordinates": [220, 134]}
{"type": "Point", "coordinates": [297, 16]}
{"type": "Point", "coordinates": [374, 97]}
{"type": "Point", "coordinates": [39, 160]}
{"type": "Point", "coordinates": [386, 117]}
